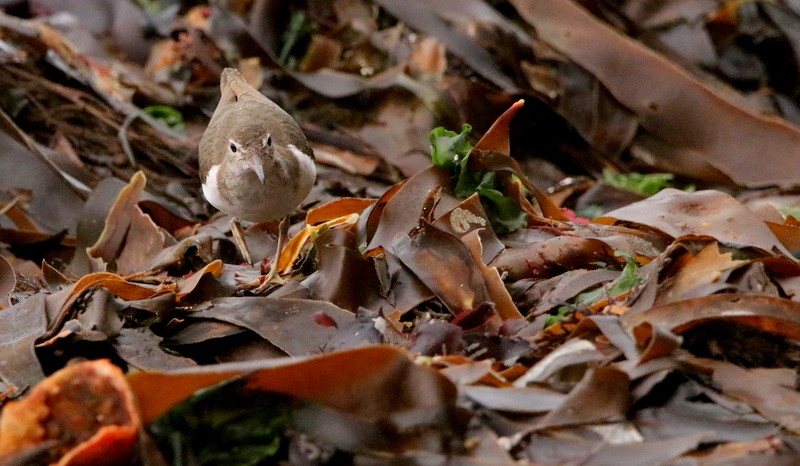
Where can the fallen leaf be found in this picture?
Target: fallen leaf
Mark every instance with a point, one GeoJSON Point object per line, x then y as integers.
{"type": "Point", "coordinates": [668, 101]}
{"type": "Point", "coordinates": [356, 381]}
{"type": "Point", "coordinates": [20, 326]}
{"type": "Point", "coordinates": [704, 213]}
{"type": "Point", "coordinates": [601, 396]}
{"type": "Point", "coordinates": [288, 324]}
{"type": "Point", "coordinates": [769, 314]}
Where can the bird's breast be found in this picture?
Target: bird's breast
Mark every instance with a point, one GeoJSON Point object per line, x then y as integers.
{"type": "Point", "coordinates": [241, 195]}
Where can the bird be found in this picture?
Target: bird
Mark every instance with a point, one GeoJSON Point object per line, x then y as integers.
{"type": "Point", "coordinates": [255, 163]}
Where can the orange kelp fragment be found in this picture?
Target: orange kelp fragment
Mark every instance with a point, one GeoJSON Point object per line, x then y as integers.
{"type": "Point", "coordinates": [337, 208]}
{"type": "Point", "coordinates": [86, 409]}
{"type": "Point", "coordinates": [496, 138]}
{"type": "Point", "coordinates": [373, 382]}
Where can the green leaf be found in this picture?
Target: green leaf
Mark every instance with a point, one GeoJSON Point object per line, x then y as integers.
{"type": "Point", "coordinates": [639, 183]}
{"type": "Point", "coordinates": [298, 31]}
{"type": "Point", "coordinates": [561, 315]}
{"type": "Point", "coordinates": [468, 183]}
{"type": "Point", "coordinates": [787, 210]}
{"type": "Point", "coordinates": [150, 6]}
{"type": "Point", "coordinates": [169, 116]}
{"type": "Point", "coordinates": [449, 149]}
{"type": "Point", "coordinates": [505, 214]}
{"type": "Point", "coordinates": [224, 424]}
{"type": "Point", "coordinates": [627, 280]}
{"type": "Point", "coordinates": [591, 211]}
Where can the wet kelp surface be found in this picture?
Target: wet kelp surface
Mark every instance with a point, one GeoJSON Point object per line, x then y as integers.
{"type": "Point", "coordinates": [542, 231]}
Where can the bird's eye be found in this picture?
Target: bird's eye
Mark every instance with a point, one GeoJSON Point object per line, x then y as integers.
{"type": "Point", "coordinates": [233, 147]}
{"type": "Point", "coordinates": [267, 141]}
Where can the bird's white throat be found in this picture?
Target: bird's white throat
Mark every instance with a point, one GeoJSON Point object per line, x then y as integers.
{"type": "Point", "coordinates": [212, 193]}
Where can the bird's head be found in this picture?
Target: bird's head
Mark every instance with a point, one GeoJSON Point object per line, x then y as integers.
{"type": "Point", "coordinates": [249, 149]}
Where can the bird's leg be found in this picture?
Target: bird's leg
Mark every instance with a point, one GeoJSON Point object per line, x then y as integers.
{"type": "Point", "coordinates": [273, 277]}
{"type": "Point", "coordinates": [239, 240]}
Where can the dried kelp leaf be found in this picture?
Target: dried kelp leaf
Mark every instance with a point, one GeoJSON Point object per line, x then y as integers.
{"type": "Point", "coordinates": [343, 276]}
{"type": "Point", "coordinates": [610, 327]}
{"type": "Point", "coordinates": [59, 305]}
{"type": "Point", "coordinates": [544, 295]}
{"type": "Point", "coordinates": [141, 348]}
{"type": "Point", "coordinates": [602, 396]}
{"type": "Point", "coordinates": [54, 278]}
{"type": "Point", "coordinates": [203, 285]}
{"type": "Point", "coordinates": [371, 382]}
{"type": "Point", "coordinates": [568, 449]}
{"type": "Point", "coordinates": [288, 324]}
{"type": "Point", "coordinates": [360, 332]}
{"type": "Point", "coordinates": [143, 243]}
{"type": "Point", "coordinates": [86, 408]}
{"type": "Point", "coordinates": [403, 290]}
{"type": "Point", "coordinates": [100, 320]}
{"type": "Point", "coordinates": [470, 216]}
{"type": "Point", "coordinates": [444, 264]}
{"type": "Point", "coordinates": [15, 210]}
{"type": "Point", "coordinates": [165, 216]}
{"type": "Point", "coordinates": [704, 213]}
{"type": "Point", "coordinates": [199, 246]}
{"type": "Point", "coordinates": [554, 257]}
{"type": "Point", "coordinates": [8, 281]}
{"type": "Point", "coordinates": [116, 285]}
{"type": "Point", "coordinates": [660, 342]}
{"type": "Point", "coordinates": [261, 38]}
{"type": "Point", "coordinates": [769, 391]}
{"type": "Point", "coordinates": [55, 199]}
{"type": "Point", "coordinates": [770, 314]}
{"type": "Point", "coordinates": [117, 246]}
{"type": "Point", "coordinates": [687, 413]}
{"type": "Point", "coordinates": [91, 223]}
{"type": "Point", "coordinates": [707, 267]}
{"type": "Point", "coordinates": [496, 138]}
{"type": "Point", "coordinates": [527, 400]}
{"type": "Point", "coordinates": [577, 95]}
{"type": "Point", "coordinates": [670, 103]}
{"type": "Point", "coordinates": [373, 215]}
{"type": "Point", "coordinates": [437, 337]}
{"type": "Point", "coordinates": [498, 293]}
{"type": "Point", "coordinates": [205, 333]}
{"type": "Point", "coordinates": [574, 351]}
{"type": "Point", "coordinates": [425, 19]}
{"type": "Point", "coordinates": [788, 233]}
{"type": "Point", "coordinates": [20, 326]}
{"type": "Point", "coordinates": [401, 213]}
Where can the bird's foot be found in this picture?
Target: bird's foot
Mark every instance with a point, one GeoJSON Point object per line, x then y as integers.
{"type": "Point", "coordinates": [272, 278]}
{"type": "Point", "coordinates": [238, 238]}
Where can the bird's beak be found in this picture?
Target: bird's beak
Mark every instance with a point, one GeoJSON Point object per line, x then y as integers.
{"type": "Point", "coordinates": [258, 167]}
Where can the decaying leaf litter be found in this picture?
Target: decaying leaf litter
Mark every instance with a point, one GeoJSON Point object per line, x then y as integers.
{"type": "Point", "coordinates": [604, 273]}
